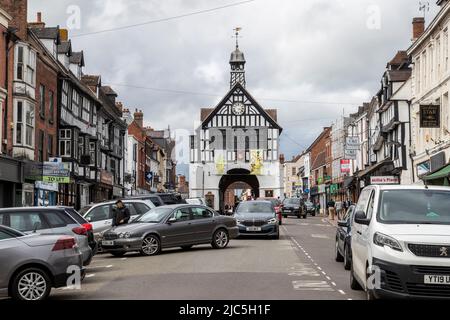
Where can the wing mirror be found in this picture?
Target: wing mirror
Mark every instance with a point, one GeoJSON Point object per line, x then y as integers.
{"type": "Point", "coordinates": [172, 220]}
{"type": "Point", "coordinates": [360, 218]}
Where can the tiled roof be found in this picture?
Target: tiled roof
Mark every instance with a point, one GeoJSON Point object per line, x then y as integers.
{"type": "Point", "coordinates": [273, 113]}
{"type": "Point", "coordinates": [205, 112]}
{"type": "Point", "coordinates": [108, 90]}
{"type": "Point", "coordinates": [90, 80]}
{"type": "Point", "coordinates": [65, 47]}
{"type": "Point", "coordinates": [46, 33]}
{"type": "Point", "coordinates": [399, 75]}
{"type": "Point", "coordinates": [77, 58]}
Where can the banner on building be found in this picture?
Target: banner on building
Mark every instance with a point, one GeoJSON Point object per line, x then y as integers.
{"type": "Point", "coordinates": [384, 180]}
{"type": "Point", "coordinates": [345, 166]}
{"type": "Point", "coordinates": [334, 188]}
{"type": "Point", "coordinates": [220, 162]}
{"type": "Point", "coordinates": [257, 162]}
{"type": "Point", "coordinates": [430, 116]}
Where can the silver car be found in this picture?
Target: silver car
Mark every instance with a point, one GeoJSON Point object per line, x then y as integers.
{"type": "Point", "coordinates": [47, 220]}
{"type": "Point", "coordinates": [100, 215]}
{"type": "Point", "coordinates": [32, 264]}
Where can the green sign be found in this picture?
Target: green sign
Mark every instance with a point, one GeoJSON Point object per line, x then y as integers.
{"type": "Point", "coordinates": [55, 172]}
{"type": "Point", "coordinates": [334, 188]}
{"type": "Point", "coordinates": [51, 179]}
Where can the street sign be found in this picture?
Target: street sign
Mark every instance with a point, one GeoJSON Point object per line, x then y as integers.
{"type": "Point", "coordinates": [306, 191]}
{"type": "Point", "coordinates": [149, 176]}
{"type": "Point", "coordinates": [345, 166]}
{"type": "Point", "coordinates": [430, 116]}
{"type": "Point", "coordinates": [384, 180]}
{"type": "Point", "coordinates": [352, 143]}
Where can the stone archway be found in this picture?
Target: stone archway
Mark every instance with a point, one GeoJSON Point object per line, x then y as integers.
{"type": "Point", "coordinates": [237, 176]}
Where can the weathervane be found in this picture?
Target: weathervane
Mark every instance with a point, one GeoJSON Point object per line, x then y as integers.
{"type": "Point", "coordinates": [425, 7]}
{"type": "Point", "coordinates": [237, 30]}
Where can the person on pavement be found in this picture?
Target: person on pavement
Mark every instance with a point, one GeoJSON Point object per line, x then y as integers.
{"type": "Point", "coordinates": [331, 209]}
{"type": "Point", "coordinates": [121, 214]}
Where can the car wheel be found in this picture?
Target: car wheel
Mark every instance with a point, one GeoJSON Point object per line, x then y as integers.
{"type": "Point", "coordinates": [354, 284]}
{"type": "Point", "coordinates": [151, 245]}
{"type": "Point", "coordinates": [118, 253]}
{"type": "Point", "coordinates": [220, 239]}
{"type": "Point", "coordinates": [277, 236]}
{"type": "Point", "coordinates": [186, 247]}
{"type": "Point", "coordinates": [305, 216]}
{"type": "Point", "coordinates": [31, 284]}
{"type": "Point", "coordinates": [337, 255]}
{"type": "Point", "coordinates": [347, 259]}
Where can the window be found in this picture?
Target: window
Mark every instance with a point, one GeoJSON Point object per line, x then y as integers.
{"type": "Point", "coordinates": [92, 152]}
{"type": "Point", "coordinates": [294, 171]}
{"type": "Point", "coordinates": [445, 45]}
{"type": "Point", "coordinates": [201, 213]}
{"type": "Point", "coordinates": [65, 94]}
{"type": "Point", "coordinates": [24, 120]}
{"type": "Point", "coordinates": [182, 215]}
{"type": "Point", "coordinates": [41, 146]}
{"type": "Point", "coordinates": [31, 67]}
{"type": "Point", "coordinates": [81, 146]}
{"type": "Point", "coordinates": [50, 146]}
{"type": "Point", "coordinates": [55, 220]}
{"type": "Point", "coordinates": [19, 63]}
{"type": "Point", "coordinates": [26, 221]}
{"type": "Point", "coordinates": [85, 115]}
{"type": "Point", "coordinates": [99, 213]}
{"type": "Point", "coordinates": [51, 106]}
{"type": "Point", "coordinates": [4, 235]}
{"type": "Point", "coordinates": [65, 143]}
{"type": "Point", "coordinates": [141, 208]}
{"type": "Point", "coordinates": [75, 103]}
{"type": "Point", "coordinates": [42, 101]}
{"type": "Point", "coordinates": [130, 207]}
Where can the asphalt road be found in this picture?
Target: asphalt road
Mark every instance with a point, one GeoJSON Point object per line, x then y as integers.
{"type": "Point", "coordinates": [298, 266]}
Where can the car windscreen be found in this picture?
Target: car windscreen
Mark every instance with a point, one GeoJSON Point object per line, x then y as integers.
{"type": "Point", "coordinates": [254, 207]}
{"type": "Point", "coordinates": [415, 207]}
{"type": "Point", "coordinates": [76, 216]}
{"type": "Point", "coordinates": [292, 201]}
{"type": "Point", "coordinates": [155, 215]}
{"type": "Point", "coordinates": [84, 210]}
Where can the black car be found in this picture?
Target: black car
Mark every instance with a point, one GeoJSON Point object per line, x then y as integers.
{"type": "Point", "coordinates": [256, 218]}
{"type": "Point", "coordinates": [294, 207]}
{"type": "Point", "coordinates": [310, 208]}
{"type": "Point", "coordinates": [343, 251]}
{"type": "Point", "coordinates": [171, 226]}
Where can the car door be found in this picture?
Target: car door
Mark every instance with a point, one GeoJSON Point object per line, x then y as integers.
{"type": "Point", "coordinates": [179, 232]}
{"type": "Point", "coordinates": [100, 217]}
{"type": "Point", "coordinates": [203, 222]}
{"type": "Point", "coordinates": [8, 248]}
{"type": "Point", "coordinates": [358, 245]}
{"type": "Point", "coordinates": [364, 235]}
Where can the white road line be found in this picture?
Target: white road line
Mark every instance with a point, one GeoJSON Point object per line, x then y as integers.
{"type": "Point", "coordinates": [349, 299]}
{"type": "Point", "coordinates": [90, 275]}
{"type": "Point", "coordinates": [342, 292]}
{"type": "Point", "coordinates": [99, 267]}
{"type": "Point", "coordinates": [324, 273]}
{"type": "Point", "coordinates": [311, 285]}
{"type": "Point", "coordinates": [334, 284]}
{"type": "Point", "coordinates": [319, 268]}
{"type": "Point", "coordinates": [328, 278]}
{"type": "Point", "coordinates": [123, 259]}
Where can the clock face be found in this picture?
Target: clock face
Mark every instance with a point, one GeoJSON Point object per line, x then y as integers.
{"type": "Point", "coordinates": [238, 108]}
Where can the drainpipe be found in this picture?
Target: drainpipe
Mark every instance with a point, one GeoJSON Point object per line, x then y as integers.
{"type": "Point", "coordinates": [410, 142]}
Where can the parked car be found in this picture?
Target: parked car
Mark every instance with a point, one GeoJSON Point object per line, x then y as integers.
{"type": "Point", "coordinates": [256, 218]}
{"type": "Point", "coordinates": [171, 198]}
{"type": "Point", "coordinates": [401, 237]}
{"type": "Point", "coordinates": [164, 227]}
{"type": "Point", "coordinates": [293, 207]}
{"type": "Point", "coordinates": [32, 264]}
{"type": "Point", "coordinates": [100, 215]}
{"type": "Point", "coordinates": [343, 248]}
{"type": "Point", "coordinates": [198, 201]}
{"type": "Point", "coordinates": [278, 207]}
{"type": "Point", "coordinates": [155, 199]}
{"type": "Point", "coordinates": [57, 220]}
{"type": "Point", "coordinates": [310, 208]}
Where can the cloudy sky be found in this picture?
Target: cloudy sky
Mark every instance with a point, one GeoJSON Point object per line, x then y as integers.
{"type": "Point", "coordinates": [311, 59]}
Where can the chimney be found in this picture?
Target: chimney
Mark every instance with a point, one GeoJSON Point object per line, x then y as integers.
{"type": "Point", "coordinates": [119, 106]}
{"type": "Point", "coordinates": [418, 28]}
{"type": "Point", "coordinates": [64, 34]}
{"type": "Point", "coordinates": [139, 118]}
{"type": "Point", "coordinates": [282, 159]}
{"type": "Point", "coordinates": [18, 10]}
{"type": "Point", "coordinates": [38, 24]}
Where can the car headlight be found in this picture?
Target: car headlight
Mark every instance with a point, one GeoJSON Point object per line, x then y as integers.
{"type": "Point", "coordinates": [124, 235]}
{"type": "Point", "coordinates": [296, 208]}
{"type": "Point", "coordinates": [272, 221]}
{"type": "Point", "coordinates": [383, 240]}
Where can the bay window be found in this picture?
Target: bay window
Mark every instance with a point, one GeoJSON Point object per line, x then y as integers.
{"type": "Point", "coordinates": [65, 143]}
{"type": "Point", "coordinates": [24, 123]}
{"type": "Point", "coordinates": [25, 64]}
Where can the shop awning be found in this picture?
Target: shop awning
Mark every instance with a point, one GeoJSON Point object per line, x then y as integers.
{"type": "Point", "coordinates": [375, 167]}
{"type": "Point", "coordinates": [442, 173]}
{"type": "Point", "coordinates": [348, 182]}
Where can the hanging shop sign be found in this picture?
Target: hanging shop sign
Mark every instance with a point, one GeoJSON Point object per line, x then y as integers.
{"type": "Point", "coordinates": [350, 154]}
{"type": "Point", "coordinates": [430, 116]}
{"type": "Point", "coordinates": [334, 189]}
{"type": "Point", "coordinates": [352, 143]}
{"type": "Point", "coordinates": [345, 166]}
{"type": "Point", "coordinates": [55, 172]}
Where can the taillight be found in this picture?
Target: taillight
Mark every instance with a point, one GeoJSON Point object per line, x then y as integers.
{"type": "Point", "coordinates": [64, 243]}
{"type": "Point", "coordinates": [82, 231]}
{"type": "Point", "coordinates": [87, 226]}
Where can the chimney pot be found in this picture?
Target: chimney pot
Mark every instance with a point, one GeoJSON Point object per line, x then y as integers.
{"type": "Point", "coordinates": [39, 17]}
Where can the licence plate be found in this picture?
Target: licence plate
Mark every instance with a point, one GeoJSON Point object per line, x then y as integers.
{"type": "Point", "coordinates": [107, 243]}
{"type": "Point", "coordinates": [287, 210]}
{"type": "Point", "coordinates": [253, 229]}
{"type": "Point", "coordinates": [437, 279]}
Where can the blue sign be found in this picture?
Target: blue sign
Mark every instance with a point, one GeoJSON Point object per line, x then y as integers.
{"type": "Point", "coordinates": [306, 191]}
{"type": "Point", "coordinates": [149, 176]}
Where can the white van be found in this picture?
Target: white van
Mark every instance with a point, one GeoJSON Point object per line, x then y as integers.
{"type": "Point", "coordinates": [401, 242]}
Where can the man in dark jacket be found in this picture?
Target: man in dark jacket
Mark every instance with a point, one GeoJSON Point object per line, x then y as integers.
{"type": "Point", "coordinates": [121, 214]}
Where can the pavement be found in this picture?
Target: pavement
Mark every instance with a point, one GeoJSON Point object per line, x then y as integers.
{"type": "Point", "coordinates": [298, 266]}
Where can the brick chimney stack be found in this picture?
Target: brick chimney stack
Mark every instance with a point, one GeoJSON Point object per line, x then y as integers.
{"type": "Point", "coordinates": [282, 159]}
{"type": "Point", "coordinates": [418, 27]}
{"type": "Point", "coordinates": [119, 106]}
{"type": "Point", "coordinates": [139, 118]}
{"type": "Point", "coordinates": [18, 10]}
{"type": "Point", "coordinates": [38, 24]}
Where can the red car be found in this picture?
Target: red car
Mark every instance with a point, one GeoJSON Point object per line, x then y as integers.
{"type": "Point", "coordinates": [278, 207]}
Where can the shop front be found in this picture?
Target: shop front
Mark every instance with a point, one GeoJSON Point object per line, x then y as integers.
{"type": "Point", "coordinates": [11, 179]}
{"type": "Point", "coordinates": [103, 190]}
{"type": "Point", "coordinates": [45, 194]}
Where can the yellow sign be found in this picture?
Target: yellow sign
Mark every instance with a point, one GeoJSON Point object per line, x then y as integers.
{"type": "Point", "coordinates": [257, 162]}
{"type": "Point", "coordinates": [51, 179]}
{"type": "Point", "coordinates": [220, 163]}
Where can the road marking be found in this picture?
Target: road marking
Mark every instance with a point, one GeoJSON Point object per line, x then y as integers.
{"type": "Point", "coordinates": [303, 269]}
{"type": "Point", "coordinates": [90, 275]}
{"type": "Point", "coordinates": [123, 259]}
{"type": "Point", "coordinates": [342, 292]}
{"type": "Point", "coordinates": [319, 268]}
{"type": "Point", "coordinates": [320, 236]}
{"type": "Point", "coordinates": [328, 278]}
{"type": "Point", "coordinates": [311, 285]}
{"type": "Point", "coordinates": [349, 299]}
{"type": "Point", "coordinates": [334, 284]}
{"type": "Point", "coordinates": [99, 267]}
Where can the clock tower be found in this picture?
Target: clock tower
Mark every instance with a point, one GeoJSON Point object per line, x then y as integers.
{"type": "Point", "coordinates": [237, 62]}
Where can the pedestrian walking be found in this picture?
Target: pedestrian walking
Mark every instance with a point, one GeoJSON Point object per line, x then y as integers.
{"type": "Point", "coordinates": [331, 209]}
{"type": "Point", "coordinates": [121, 214]}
